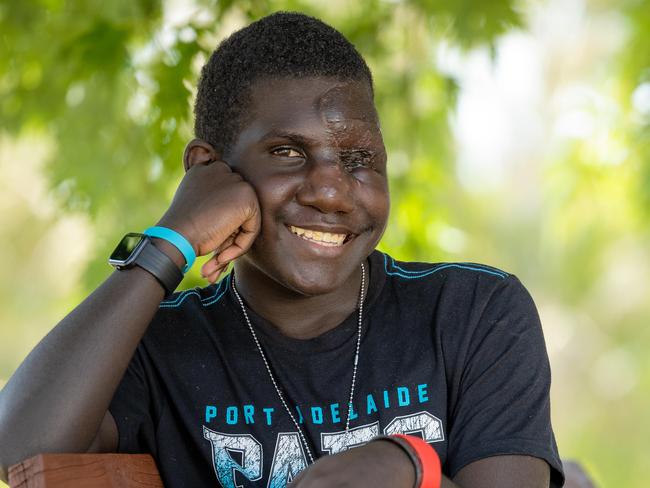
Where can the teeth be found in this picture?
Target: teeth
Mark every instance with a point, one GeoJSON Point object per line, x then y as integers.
{"type": "Point", "coordinates": [326, 238]}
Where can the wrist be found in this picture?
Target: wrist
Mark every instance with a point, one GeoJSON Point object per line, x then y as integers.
{"type": "Point", "coordinates": [138, 250]}
{"type": "Point", "coordinates": [423, 459]}
{"type": "Point", "coordinates": [406, 470]}
{"type": "Point", "coordinates": [184, 230]}
{"type": "Point", "coordinates": [170, 250]}
{"type": "Point", "coordinates": [178, 240]}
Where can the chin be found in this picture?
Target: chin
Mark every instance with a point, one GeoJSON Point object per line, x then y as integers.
{"type": "Point", "coordinates": [310, 279]}
{"type": "Point", "coordinates": [317, 284]}
{"type": "Point", "coordinates": [303, 277]}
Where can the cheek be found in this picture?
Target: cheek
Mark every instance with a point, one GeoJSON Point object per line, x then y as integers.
{"type": "Point", "coordinates": [373, 193]}
{"type": "Point", "coordinates": [273, 193]}
{"type": "Point", "coordinates": [383, 207]}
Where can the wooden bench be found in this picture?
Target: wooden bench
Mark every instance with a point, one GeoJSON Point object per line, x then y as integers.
{"type": "Point", "coordinates": [86, 470]}
{"type": "Point", "coordinates": [139, 471]}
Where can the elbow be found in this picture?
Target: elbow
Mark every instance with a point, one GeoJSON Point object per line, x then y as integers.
{"type": "Point", "coordinates": [7, 459]}
{"type": "Point", "coordinates": [4, 465]}
{"type": "Point", "coordinates": [4, 468]}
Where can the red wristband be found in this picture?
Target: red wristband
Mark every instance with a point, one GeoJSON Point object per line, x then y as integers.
{"type": "Point", "coordinates": [429, 460]}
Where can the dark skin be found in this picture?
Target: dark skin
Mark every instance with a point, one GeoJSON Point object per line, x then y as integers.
{"type": "Point", "coordinates": [291, 155]}
{"type": "Point", "coordinates": [310, 156]}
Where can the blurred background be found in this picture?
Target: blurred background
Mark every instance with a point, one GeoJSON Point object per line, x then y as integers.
{"type": "Point", "coordinates": [518, 135]}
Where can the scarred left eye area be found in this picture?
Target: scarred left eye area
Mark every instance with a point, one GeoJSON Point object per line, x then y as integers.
{"type": "Point", "coordinates": [359, 158]}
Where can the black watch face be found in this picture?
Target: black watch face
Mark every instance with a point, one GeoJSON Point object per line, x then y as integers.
{"type": "Point", "coordinates": [125, 252]}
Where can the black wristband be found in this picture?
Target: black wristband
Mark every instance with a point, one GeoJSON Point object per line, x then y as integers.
{"type": "Point", "coordinates": [161, 266]}
{"type": "Point", "coordinates": [409, 452]}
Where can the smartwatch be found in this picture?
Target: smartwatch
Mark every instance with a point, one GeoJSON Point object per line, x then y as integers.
{"type": "Point", "coordinates": [138, 250]}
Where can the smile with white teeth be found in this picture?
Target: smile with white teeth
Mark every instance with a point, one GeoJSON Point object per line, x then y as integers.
{"type": "Point", "coordinates": [322, 238]}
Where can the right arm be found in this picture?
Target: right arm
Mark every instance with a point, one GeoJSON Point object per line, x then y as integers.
{"type": "Point", "coordinates": [57, 400]}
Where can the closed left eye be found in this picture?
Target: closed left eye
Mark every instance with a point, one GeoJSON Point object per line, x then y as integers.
{"type": "Point", "coordinates": [356, 159]}
{"type": "Point", "coordinates": [350, 165]}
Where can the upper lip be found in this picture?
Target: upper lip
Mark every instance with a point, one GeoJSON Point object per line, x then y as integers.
{"type": "Point", "coordinates": [332, 229]}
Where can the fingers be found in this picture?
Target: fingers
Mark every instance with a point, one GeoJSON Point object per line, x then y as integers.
{"type": "Point", "coordinates": [210, 266]}
{"type": "Point", "coordinates": [240, 245]}
{"type": "Point", "coordinates": [231, 249]}
{"type": "Point", "coordinates": [243, 222]}
{"type": "Point", "coordinates": [212, 278]}
{"type": "Point", "coordinates": [212, 270]}
{"type": "Point", "coordinates": [240, 241]}
{"type": "Point", "coordinates": [254, 221]}
{"type": "Point", "coordinates": [226, 244]}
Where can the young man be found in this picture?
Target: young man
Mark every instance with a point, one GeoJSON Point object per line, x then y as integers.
{"type": "Point", "coordinates": [284, 371]}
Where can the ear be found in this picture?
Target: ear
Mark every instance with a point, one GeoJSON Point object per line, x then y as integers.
{"type": "Point", "coordinates": [198, 151]}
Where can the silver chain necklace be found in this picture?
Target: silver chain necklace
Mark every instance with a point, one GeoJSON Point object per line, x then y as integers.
{"type": "Point", "coordinates": [275, 383]}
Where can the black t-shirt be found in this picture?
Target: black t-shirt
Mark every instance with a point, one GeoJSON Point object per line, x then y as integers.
{"type": "Point", "coordinates": [451, 352]}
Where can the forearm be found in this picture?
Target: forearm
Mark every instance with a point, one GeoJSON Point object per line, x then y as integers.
{"type": "Point", "coordinates": [57, 398]}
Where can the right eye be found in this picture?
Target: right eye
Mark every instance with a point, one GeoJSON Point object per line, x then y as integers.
{"type": "Point", "coordinates": [286, 152]}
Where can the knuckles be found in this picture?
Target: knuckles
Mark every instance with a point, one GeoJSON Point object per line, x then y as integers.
{"type": "Point", "coordinates": [212, 204]}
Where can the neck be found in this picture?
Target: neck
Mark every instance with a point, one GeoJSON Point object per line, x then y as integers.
{"type": "Point", "coordinates": [293, 314]}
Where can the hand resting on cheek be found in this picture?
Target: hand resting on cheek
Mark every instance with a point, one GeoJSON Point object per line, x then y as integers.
{"type": "Point", "coordinates": [217, 211]}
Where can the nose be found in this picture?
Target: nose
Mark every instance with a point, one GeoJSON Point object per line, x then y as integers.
{"type": "Point", "coordinates": [327, 187]}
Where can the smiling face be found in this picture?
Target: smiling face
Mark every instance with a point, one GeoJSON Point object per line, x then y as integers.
{"type": "Point", "coordinates": [314, 153]}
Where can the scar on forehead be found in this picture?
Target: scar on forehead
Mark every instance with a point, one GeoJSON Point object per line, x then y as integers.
{"type": "Point", "coordinates": [339, 103]}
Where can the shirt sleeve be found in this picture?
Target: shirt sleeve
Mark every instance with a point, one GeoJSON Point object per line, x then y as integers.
{"type": "Point", "coordinates": [133, 407]}
{"type": "Point", "coordinates": [503, 405]}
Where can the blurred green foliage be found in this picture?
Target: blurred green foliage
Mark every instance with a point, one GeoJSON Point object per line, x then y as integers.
{"type": "Point", "coordinates": [114, 93]}
{"type": "Point", "coordinates": [109, 86]}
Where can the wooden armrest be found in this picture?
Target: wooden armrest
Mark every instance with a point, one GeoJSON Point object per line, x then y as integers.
{"type": "Point", "coordinates": [86, 470]}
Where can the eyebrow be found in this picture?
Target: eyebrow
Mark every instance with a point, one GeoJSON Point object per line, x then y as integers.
{"type": "Point", "coordinates": [293, 136]}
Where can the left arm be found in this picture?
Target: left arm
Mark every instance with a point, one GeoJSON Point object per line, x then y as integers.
{"type": "Point", "coordinates": [504, 472]}
{"type": "Point", "coordinates": [382, 464]}
{"type": "Point", "coordinates": [503, 407]}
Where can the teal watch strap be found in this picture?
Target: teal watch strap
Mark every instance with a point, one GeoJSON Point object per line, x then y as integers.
{"type": "Point", "coordinates": [177, 240]}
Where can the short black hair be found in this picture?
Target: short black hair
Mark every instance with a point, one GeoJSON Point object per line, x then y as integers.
{"type": "Point", "coordinates": [283, 44]}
